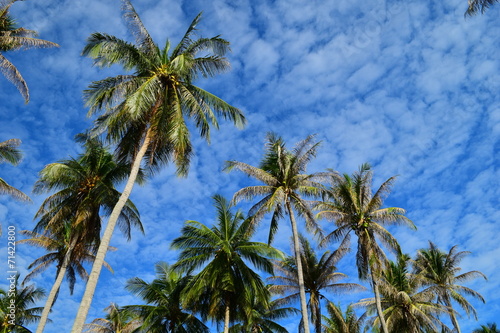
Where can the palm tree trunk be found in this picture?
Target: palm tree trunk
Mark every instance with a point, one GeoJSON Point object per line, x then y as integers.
{"type": "Point", "coordinates": [226, 318]}
{"type": "Point", "coordinates": [317, 319]}
{"type": "Point", "coordinates": [378, 303]}
{"type": "Point", "coordinates": [106, 238]}
{"type": "Point", "coordinates": [55, 288]}
{"type": "Point", "coordinates": [300, 275]}
{"type": "Point", "coordinates": [452, 315]}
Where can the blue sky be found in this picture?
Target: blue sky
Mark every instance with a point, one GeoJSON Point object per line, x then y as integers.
{"type": "Point", "coordinates": [410, 87]}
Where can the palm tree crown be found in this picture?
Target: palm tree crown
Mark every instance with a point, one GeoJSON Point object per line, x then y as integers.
{"type": "Point", "coordinates": [86, 188]}
{"type": "Point", "coordinates": [354, 208]}
{"type": "Point", "coordinates": [153, 103]}
{"type": "Point", "coordinates": [164, 311]}
{"type": "Point", "coordinates": [338, 321]}
{"type": "Point", "coordinates": [14, 38]}
{"type": "Point", "coordinates": [282, 172]}
{"type": "Point", "coordinates": [225, 278]}
{"type": "Point", "coordinates": [24, 296]}
{"type": "Point", "coordinates": [259, 316]}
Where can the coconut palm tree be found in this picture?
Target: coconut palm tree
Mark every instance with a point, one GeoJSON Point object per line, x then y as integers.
{"type": "Point", "coordinates": [23, 297]}
{"type": "Point", "coordinates": [352, 205]}
{"type": "Point", "coordinates": [225, 279]}
{"type": "Point", "coordinates": [14, 38]}
{"type": "Point", "coordinates": [285, 186]}
{"type": "Point", "coordinates": [441, 273]}
{"type": "Point", "coordinates": [146, 111]}
{"type": "Point", "coordinates": [488, 328]}
{"type": "Point", "coordinates": [72, 216]}
{"type": "Point", "coordinates": [9, 153]}
{"type": "Point", "coordinates": [163, 311]}
{"type": "Point", "coordinates": [338, 321]}
{"type": "Point", "coordinates": [117, 320]}
{"type": "Point", "coordinates": [407, 308]}
{"type": "Point", "coordinates": [320, 276]}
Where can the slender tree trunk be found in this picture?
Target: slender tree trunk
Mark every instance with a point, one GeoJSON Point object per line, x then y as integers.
{"type": "Point", "coordinates": [378, 303]}
{"type": "Point", "coordinates": [317, 319]}
{"type": "Point", "coordinates": [226, 318]}
{"type": "Point", "coordinates": [106, 238]}
{"type": "Point", "coordinates": [300, 274]}
{"type": "Point", "coordinates": [55, 288]}
{"type": "Point", "coordinates": [452, 315]}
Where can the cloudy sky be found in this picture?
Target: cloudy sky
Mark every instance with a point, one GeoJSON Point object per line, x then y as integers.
{"type": "Point", "coordinates": [408, 86]}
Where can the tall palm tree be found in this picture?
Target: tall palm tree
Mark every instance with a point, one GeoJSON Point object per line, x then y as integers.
{"type": "Point", "coordinates": [285, 185]}
{"type": "Point", "coordinates": [72, 215]}
{"type": "Point", "coordinates": [163, 311]}
{"type": "Point", "coordinates": [9, 153]}
{"type": "Point", "coordinates": [352, 205]}
{"type": "Point", "coordinates": [24, 297]}
{"type": "Point", "coordinates": [15, 38]}
{"type": "Point", "coordinates": [488, 328]}
{"type": "Point", "coordinates": [441, 273]}
{"type": "Point", "coordinates": [407, 308]}
{"type": "Point", "coordinates": [338, 321]}
{"type": "Point", "coordinates": [320, 276]}
{"type": "Point", "coordinates": [225, 279]}
{"type": "Point", "coordinates": [117, 320]}
{"type": "Point", "coordinates": [146, 112]}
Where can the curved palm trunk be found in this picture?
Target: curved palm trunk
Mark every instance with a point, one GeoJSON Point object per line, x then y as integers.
{"type": "Point", "coordinates": [55, 288]}
{"type": "Point", "coordinates": [106, 238]}
{"type": "Point", "coordinates": [300, 275]}
{"type": "Point", "coordinates": [452, 315]}
{"type": "Point", "coordinates": [378, 303]}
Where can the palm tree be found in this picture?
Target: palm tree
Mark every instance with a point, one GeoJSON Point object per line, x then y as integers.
{"type": "Point", "coordinates": [489, 328]}
{"type": "Point", "coordinates": [342, 322]}
{"type": "Point", "coordinates": [320, 276]}
{"type": "Point", "coordinates": [117, 320]}
{"type": "Point", "coordinates": [23, 297]}
{"type": "Point", "coordinates": [14, 38]}
{"type": "Point", "coordinates": [10, 153]}
{"type": "Point", "coordinates": [261, 317]}
{"type": "Point", "coordinates": [72, 215]}
{"type": "Point", "coordinates": [407, 308]}
{"type": "Point", "coordinates": [163, 311]}
{"type": "Point", "coordinates": [145, 111]}
{"type": "Point", "coordinates": [353, 207]}
{"type": "Point", "coordinates": [476, 6]}
{"type": "Point", "coordinates": [441, 273]}
{"type": "Point", "coordinates": [226, 280]}
{"type": "Point", "coordinates": [285, 185]}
